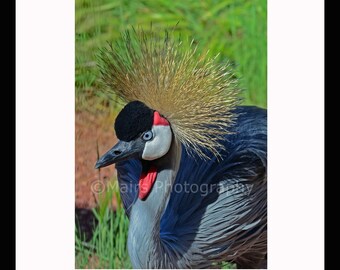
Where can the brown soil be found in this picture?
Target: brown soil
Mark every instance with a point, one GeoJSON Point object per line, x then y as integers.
{"type": "Point", "coordinates": [92, 133]}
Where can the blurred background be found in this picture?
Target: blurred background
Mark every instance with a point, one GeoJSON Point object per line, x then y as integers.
{"type": "Point", "coordinates": [234, 29]}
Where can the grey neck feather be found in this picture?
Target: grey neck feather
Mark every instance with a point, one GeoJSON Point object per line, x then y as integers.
{"type": "Point", "coordinates": [145, 247]}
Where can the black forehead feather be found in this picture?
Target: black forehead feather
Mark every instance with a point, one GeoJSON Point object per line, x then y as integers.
{"type": "Point", "coordinates": [133, 119]}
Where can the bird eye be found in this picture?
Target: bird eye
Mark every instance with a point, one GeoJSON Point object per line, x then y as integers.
{"type": "Point", "coordinates": [147, 136]}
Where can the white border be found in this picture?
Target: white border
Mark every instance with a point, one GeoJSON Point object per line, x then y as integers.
{"type": "Point", "coordinates": [45, 134]}
{"type": "Point", "coordinates": [296, 120]}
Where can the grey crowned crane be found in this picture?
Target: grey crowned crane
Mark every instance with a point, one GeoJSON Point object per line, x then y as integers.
{"type": "Point", "coordinates": [191, 161]}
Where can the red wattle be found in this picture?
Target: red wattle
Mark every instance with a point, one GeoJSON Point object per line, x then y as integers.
{"type": "Point", "coordinates": [146, 182]}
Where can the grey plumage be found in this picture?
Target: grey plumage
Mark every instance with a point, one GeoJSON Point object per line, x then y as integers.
{"type": "Point", "coordinates": [226, 221]}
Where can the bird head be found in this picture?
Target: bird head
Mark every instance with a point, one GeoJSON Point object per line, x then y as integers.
{"type": "Point", "coordinates": [173, 83]}
{"type": "Point", "coordinates": [142, 132]}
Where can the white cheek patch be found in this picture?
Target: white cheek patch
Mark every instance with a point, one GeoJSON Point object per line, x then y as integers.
{"type": "Point", "coordinates": [160, 144]}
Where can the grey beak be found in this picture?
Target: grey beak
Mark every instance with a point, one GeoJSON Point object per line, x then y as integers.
{"type": "Point", "coordinates": [121, 151]}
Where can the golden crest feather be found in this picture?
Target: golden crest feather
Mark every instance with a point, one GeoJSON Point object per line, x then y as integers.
{"type": "Point", "coordinates": [192, 91]}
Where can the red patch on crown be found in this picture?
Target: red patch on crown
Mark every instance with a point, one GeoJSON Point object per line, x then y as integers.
{"type": "Point", "coordinates": [158, 120]}
{"type": "Point", "coordinates": [146, 182]}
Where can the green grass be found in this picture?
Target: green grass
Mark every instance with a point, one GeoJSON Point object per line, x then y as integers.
{"type": "Point", "coordinates": [234, 29]}
{"type": "Point", "coordinates": [108, 245]}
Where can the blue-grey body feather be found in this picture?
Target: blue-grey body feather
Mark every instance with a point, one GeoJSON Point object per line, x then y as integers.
{"type": "Point", "coordinates": [217, 210]}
